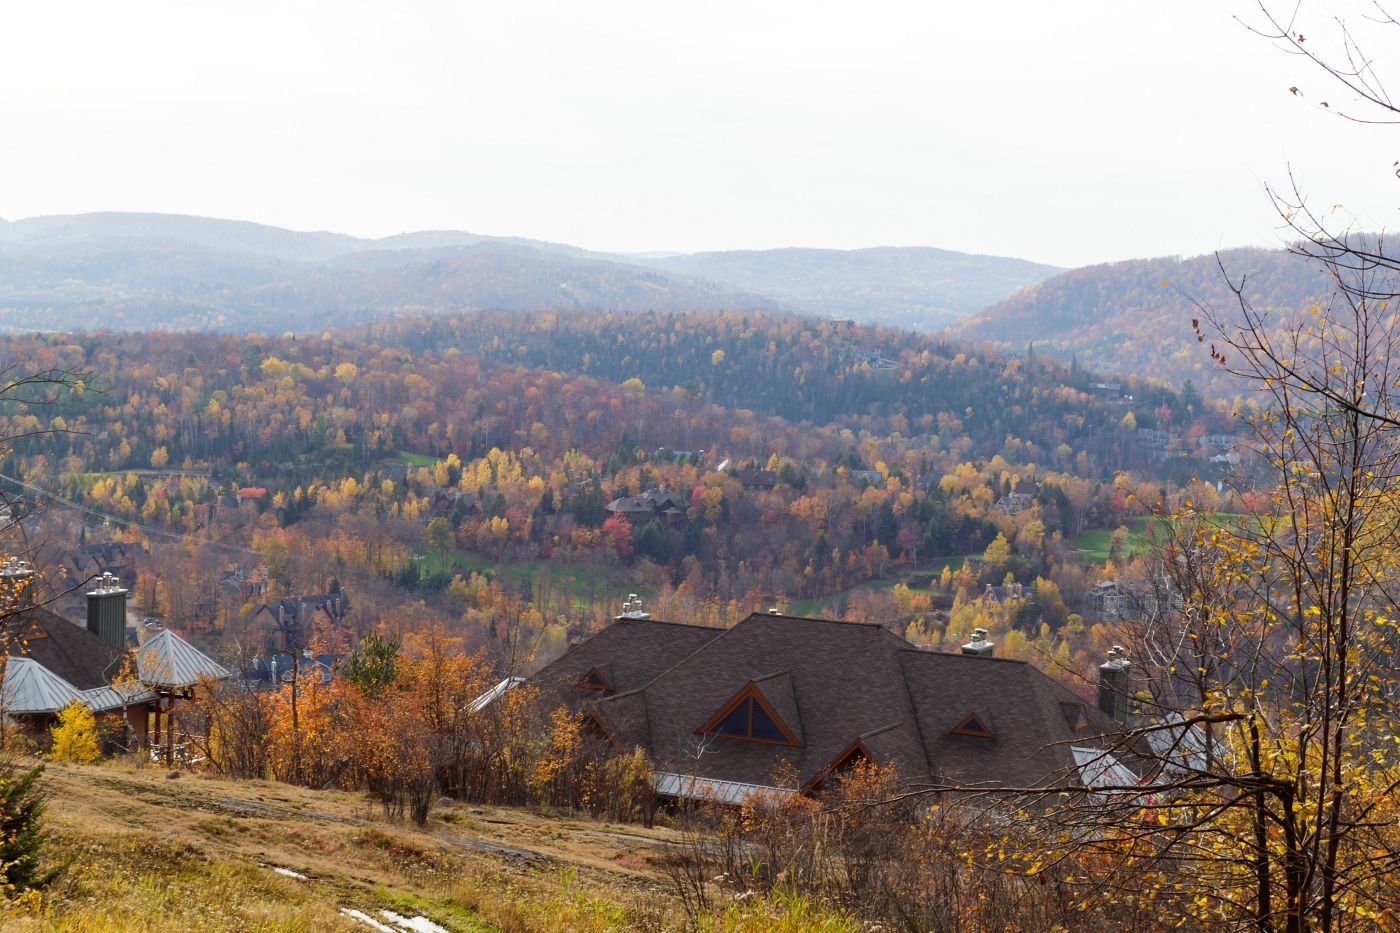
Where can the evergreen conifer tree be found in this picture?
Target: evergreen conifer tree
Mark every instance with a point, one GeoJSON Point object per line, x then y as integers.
{"type": "Point", "coordinates": [22, 834]}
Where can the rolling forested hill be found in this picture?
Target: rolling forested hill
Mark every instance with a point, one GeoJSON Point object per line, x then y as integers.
{"type": "Point", "coordinates": [805, 371]}
{"type": "Point", "coordinates": [1135, 317]}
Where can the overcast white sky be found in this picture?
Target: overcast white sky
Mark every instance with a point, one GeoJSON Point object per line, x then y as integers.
{"type": "Point", "coordinates": [1069, 132]}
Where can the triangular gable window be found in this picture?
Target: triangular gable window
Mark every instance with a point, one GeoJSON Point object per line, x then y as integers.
{"type": "Point", "coordinates": [594, 729]}
{"type": "Point", "coordinates": [1076, 715]}
{"type": "Point", "coordinates": [854, 754]}
{"type": "Point", "coordinates": [974, 726]}
{"type": "Point", "coordinates": [594, 680]}
{"type": "Point", "coordinates": [751, 718]}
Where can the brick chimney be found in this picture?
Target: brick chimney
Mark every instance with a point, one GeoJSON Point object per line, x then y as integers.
{"type": "Point", "coordinates": [1114, 674]}
{"type": "Point", "coordinates": [106, 611]}
{"type": "Point", "coordinates": [979, 646]}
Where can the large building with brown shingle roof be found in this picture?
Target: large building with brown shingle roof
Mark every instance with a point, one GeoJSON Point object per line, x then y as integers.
{"type": "Point", "coordinates": [723, 711]}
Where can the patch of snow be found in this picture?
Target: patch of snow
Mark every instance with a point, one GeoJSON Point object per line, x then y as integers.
{"type": "Point", "coordinates": [289, 873]}
{"type": "Point", "coordinates": [413, 924]}
{"type": "Point", "coordinates": [366, 919]}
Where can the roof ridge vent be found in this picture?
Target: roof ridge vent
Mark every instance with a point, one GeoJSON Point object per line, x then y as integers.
{"type": "Point", "coordinates": [632, 608]}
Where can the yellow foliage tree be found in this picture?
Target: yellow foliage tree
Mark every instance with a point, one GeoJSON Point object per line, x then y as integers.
{"type": "Point", "coordinates": [998, 552]}
{"type": "Point", "coordinates": [75, 735]}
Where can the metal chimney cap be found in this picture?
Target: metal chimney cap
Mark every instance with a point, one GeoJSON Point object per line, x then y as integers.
{"type": "Point", "coordinates": [1117, 658]}
{"type": "Point", "coordinates": [979, 646]}
{"type": "Point", "coordinates": [107, 585]}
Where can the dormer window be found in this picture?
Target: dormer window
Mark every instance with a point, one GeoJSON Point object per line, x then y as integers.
{"type": "Point", "coordinates": [749, 717]}
{"type": "Point", "coordinates": [973, 725]}
{"type": "Point", "coordinates": [594, 680]}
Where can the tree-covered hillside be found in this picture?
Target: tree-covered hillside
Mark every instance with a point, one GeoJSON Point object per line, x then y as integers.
{"type": "Point", "coordinates": [1135, 317]}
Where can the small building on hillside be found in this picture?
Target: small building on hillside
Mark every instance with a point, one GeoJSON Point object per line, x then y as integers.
{"type": "Point", "coordinates": [1155, 438]}
{"type": "Point", "coordinates": [90, 561]}
{"type": "Point", "coordinates": [251, 494]}
{"type": "Point", "coordinates": [1020, 498]}
{"type": "Point", "coordinates": [1005, 592]}
{"type": "Point", "coordinates": [1112, 600]}
{"type": "Point", "coordinates": [53, 662]}
{"type": "Point", "coordinates": [1108, 600]}
{"type": "Point", "coordinates": [266, 672]}
{"type": "Point", "coordinates": [444, 502]}
{"type": "Point", "coordinates": [721, 711]}
{"type": "Point", "coordinates": [241, 586]}
{"type": "Point", "coordinates": [286, 624]}
{"type": "Point", "coordinates": [650, 504]}
{"type": "Point", "coordinates": [757, 479]}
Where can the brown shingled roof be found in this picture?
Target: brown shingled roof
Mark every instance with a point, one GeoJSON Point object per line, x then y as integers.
{"type": "Point", "coordinates": [834, 684]}
{"type": "Point", "coordinates": [630, 653]}
{"type": "Point", "coordinates": [68, 650]}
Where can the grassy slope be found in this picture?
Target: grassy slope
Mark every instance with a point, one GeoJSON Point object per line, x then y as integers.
{"type": "Point", "coordinates": [585, 587]}
{"type": "Point", "coordinates": [1094, 544]}
{"type": "Point", "coordinates": [149, 853]}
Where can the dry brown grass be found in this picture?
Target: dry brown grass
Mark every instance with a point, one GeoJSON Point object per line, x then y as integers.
{"type": "Point", "coordinates": [149, 853]}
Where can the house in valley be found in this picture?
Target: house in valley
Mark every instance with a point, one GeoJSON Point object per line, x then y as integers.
{"type": "Point", "coordinates": [655, 502]}
{"type": "Point", "coordinates": [286, 624]}
{"type": "Point", "coordinates": [1005, 592]}
{"type": "Point", "coordinates": [251, 494]}
{"type": "Point", "coordinates": [267, 672]}
{"type": "Point", "coordinates": [90, 561]}
{"type": "Point", "coordinates": [446, 501]}
{"type": "Point", "coordinates": [757, 479]}
{"type": "Point", "coordinates": [1020, 498]}
{"type": "Point", "coordinates": [241, 586]}
{"type": "Point", "coordinates": [1109, 601]}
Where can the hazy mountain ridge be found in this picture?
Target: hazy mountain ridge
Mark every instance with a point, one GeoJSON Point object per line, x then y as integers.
{"type": "Point", "coordinates": [912, 286]}
{"type": "Point", "coordinates": [1135, 316]}
{"type": "Point", "coordinates": [163, 271]}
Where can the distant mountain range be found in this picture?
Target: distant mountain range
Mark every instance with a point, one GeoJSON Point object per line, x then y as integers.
{"type": "Point", "coordinates": [162, 271]}
{"type": "Point", "coordinates": [175, 272]}
{"type": "Point", "coordinates": [918, 287]}
{"type": "Point", "coordinates": [1135, 316]}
